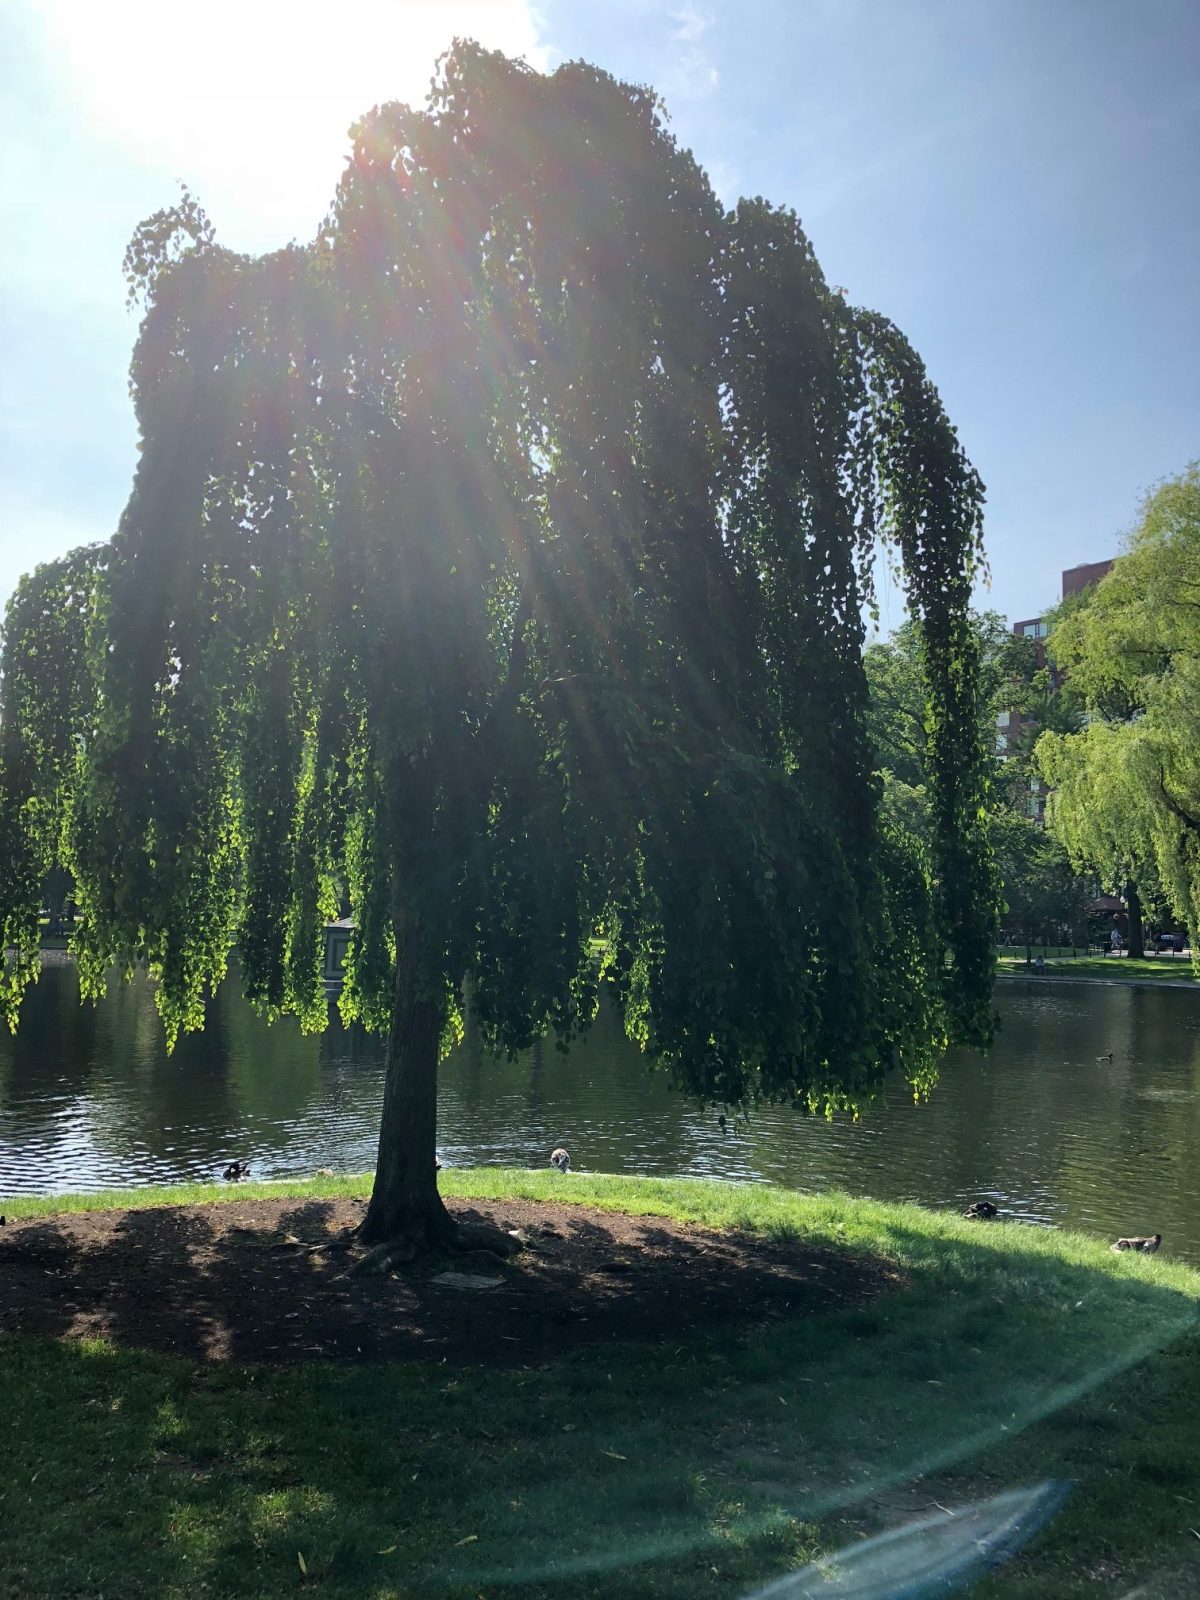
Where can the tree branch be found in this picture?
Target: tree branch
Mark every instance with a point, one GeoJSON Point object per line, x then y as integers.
{"type": "Point", "coordinates": [1173, 806]}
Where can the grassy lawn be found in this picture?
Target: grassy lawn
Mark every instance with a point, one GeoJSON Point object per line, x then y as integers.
{"type": "Point", "coordinates": [696, 1469]}
{"type": "Point", "coordinates": [1176, 969]}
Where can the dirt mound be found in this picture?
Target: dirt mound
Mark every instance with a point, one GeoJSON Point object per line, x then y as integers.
{"type": "Point", "coordinates": [264, 1281]}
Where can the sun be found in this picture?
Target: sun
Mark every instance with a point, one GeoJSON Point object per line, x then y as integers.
{"type": "Point", "coordinates": [249, 101]}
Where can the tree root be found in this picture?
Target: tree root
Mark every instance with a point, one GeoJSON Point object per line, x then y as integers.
{"type": "Point", "coordinates": [490, 1246]}
{"type": "Point", "coordinates": [394, 1252]}
{"type": "Point", "coordinates": [337, 1243]}
{"type": "Point", "coordinates": [479, 1238]}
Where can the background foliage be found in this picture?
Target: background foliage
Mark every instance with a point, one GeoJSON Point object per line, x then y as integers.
{"type": "Point", "coordinates": [1127, 785]}
{"type": "Point", "coordinates": [1042, 893]}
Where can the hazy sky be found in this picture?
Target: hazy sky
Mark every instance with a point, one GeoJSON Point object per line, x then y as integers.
{"type": "Point", "coordinates": [1015, 182]}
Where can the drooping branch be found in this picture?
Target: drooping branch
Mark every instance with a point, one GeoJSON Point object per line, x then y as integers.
{"type": "Point", "coordinates": [1174, 806]}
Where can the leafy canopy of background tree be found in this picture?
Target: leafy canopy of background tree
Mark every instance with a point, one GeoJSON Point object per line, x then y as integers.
{"type": "Point", "coordinates": [1009, 680]}
{"type": "Point", "coordinates": [1126, 787]}
{"type": "Point", "coordinates": [501, 554]}
{"type": "Point", "coordinates": [1041, 892]}
{"type": "Point", "coordinates": [1044, 897]}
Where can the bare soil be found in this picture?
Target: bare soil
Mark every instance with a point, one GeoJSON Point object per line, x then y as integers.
{"type": "Point", "coordinates": [265, 1281]}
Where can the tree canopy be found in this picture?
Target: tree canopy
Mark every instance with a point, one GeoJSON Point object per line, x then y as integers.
{"type": "Point", "coordinates": [1040, 891]}
{"type": "Point", "coordinates": [1126, 787]}
{"type": "Point", "coordinates": [1044, 898]}
{"type": "Point", "coordinates": [499, 557]}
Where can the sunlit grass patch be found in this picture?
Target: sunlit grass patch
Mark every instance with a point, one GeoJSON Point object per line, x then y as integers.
{"type": "Point", "coordinates": [1164, 968]}
{"type": "Point", "coordinates": [680, 1468]}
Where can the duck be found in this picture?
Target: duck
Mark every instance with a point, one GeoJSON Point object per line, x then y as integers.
{"type": "Point", "coordinates": [237, 1170]}
{"type": "Point", "coordinates": [1147, 1245]}
{"type": "Point", "coordinates": [721, 1122]}
{"type": "Point", "coordinates": [560, 1159]}
{"type": "Point", "coordinates": [1108, 1057]}
{"type": "Point", "coordinates": [982, 1210]}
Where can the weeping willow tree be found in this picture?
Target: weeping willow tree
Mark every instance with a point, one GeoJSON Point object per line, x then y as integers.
{"type": "Point", "coordinates": [1126, 787]}
{"type": "Point", "coordinates": [498, 560]}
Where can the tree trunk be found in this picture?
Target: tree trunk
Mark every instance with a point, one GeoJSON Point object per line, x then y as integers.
{"type": "Point", "coordinates": [405, 1206]}
{"type": "Point", "coordinates": [1137, 933]}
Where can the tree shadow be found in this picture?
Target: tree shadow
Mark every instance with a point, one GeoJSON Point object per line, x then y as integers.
{"type": "Point", "coordinates": [261, 1281]}
{"type": "Point", "coordinates": [720, 1446]}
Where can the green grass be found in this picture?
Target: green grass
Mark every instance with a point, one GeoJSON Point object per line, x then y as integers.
{"type": "Point", "coordinates": [692, 1469]}
{"type": "Point", "coordinates": [1176, 969]}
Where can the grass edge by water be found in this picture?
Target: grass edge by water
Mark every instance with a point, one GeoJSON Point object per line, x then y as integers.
{"type": "Point", "coordinates": [828, 1216]}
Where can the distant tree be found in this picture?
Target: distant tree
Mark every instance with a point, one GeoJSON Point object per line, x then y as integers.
{"type": "Point", "coordinates": [1126, 787]}
{"type": "Point", "coordinates": [1009, 680]}
{"type": "Point", "coordinates": [1041, 890]}
{"type": "Point", "coordinates": [896, 706]}
{"type": "Point", "coordinates": [47, 695]}
{"type": "Point", "coordinates": [1044, 897]}
{"type": "Point", "coordinates": [501, 552]}
{"type": "Point", "coordinates": [1037, 699]}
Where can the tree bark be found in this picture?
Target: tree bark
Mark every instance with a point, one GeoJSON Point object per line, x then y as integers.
{"type": "Point", "coordinates": [1137, 932]}
{"type": "Point", "coordinates": [405, 1215]}
{"type": "Point", "coordinates": [405, 1207]}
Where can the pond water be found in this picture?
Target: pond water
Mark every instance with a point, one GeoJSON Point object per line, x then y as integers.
{"type": "Point", "coordinates": [89, 1098]}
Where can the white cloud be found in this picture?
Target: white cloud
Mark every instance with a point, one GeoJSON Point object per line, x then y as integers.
{"type": "Point", "coordinates": [691, 24]}
{"type": "Point", "coordinates": [692, 73]}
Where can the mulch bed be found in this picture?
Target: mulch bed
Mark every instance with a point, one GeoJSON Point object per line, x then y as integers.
{"type": "Point", "coordinates": [264, 1281]}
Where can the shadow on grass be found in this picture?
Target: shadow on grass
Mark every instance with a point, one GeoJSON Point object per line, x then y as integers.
{"type": "Point", "coordinates": [200, 1283]}
{"type": "Point", "coordinates": [696, 1465]}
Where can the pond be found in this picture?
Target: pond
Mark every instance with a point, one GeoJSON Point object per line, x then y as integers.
{"type": "Point", "coordinates": [89, 1099]}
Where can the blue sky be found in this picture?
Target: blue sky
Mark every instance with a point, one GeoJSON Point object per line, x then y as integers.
{"type": "Point", "coordinates": [1015, 182]}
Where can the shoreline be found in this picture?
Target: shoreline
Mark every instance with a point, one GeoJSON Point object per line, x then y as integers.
{"type": "Point", "coordinates": [1185, 984]}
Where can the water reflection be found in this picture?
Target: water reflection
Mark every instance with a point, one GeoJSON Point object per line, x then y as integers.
{"type": "Point", "coordinates": [88, 1097]}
